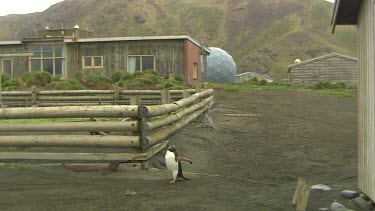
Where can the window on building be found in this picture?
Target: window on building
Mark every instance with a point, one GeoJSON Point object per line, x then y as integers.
{"type": "Point", "coordinates": [7, 67]}
{"type": "Point", "coordinates": [49, 58]}
{"type": "Point", "coordinates": [92, 62]}
{"type": "Point", "coordinates": [141, 63]}
{"type": "Point", "coordinates": [195, 71]}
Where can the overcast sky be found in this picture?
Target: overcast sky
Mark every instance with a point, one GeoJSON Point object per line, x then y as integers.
{"type": "Point", "coordinates": [24, 6]}
{"type": "Point", "coordinates": [29, 6]}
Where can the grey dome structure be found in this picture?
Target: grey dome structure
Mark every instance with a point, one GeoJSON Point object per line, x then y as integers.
{"type": "Point", "coordinates": [221, 66]}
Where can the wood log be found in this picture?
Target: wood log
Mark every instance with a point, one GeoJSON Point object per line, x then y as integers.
{"type": "Point", "coordinates": [69, 141]}
{"type": "Point", "coordinates": [153, 124]}
{"type": "Point", "coordinates": [16, 98]}
{"type": "Point", "coordinates": [83, 156]}
{"type": "Point", "coordinates": [88, 103]}
{"type": "Point", "coordinates": [110, 126]}
{"type": "Point", "coordinates": [301, 182]}
{"type": "Point", "coordinates": [69, 112]}
{"type": "Point", "coordinates": [190, 100]}
{"type": "Point", "coordinates": [16, 93]}
{"type": "Point", "coordinates": [303, 199]}
{"type": "Point", "coordinates": [75, 98]}
{"type": "Point", "coordinates": [86, 167]}
{"type": "Point", "coordinates": [164, 133]}
{"type": "Point", "coordinates": [70, 156]}
{"type": "Point", "coordinates": [76, 92]}
{"type": "Point", "coordinates": [157, 110]}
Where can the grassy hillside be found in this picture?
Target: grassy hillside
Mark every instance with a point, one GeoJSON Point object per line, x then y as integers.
{"type": "Point", "coordinates": [262, 36]}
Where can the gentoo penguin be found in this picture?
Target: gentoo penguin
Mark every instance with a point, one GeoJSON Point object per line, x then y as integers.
{"type": "Point", "coordinates": [173, 163]}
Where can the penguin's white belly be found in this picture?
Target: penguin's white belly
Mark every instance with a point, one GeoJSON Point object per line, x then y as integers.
{"type": "Point", "coordinates": [170, 161]}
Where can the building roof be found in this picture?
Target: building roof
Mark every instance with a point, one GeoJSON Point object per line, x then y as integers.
{"type": "Point", "coordinates": [10, 42]}
{"type": "Point", "coordinates": [322, 58]}
{"type": "Point", "coordinates": [138, 38]}
{"type": "Point", "coordinates": [345, 12]}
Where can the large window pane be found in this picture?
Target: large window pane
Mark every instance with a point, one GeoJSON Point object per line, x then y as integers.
{"type": "Point", "coordinates": [48, 65]}
{"type": "Point", "coordinates": [88, 61]}
{"type": "Point", "coordinates": [59, 67]}
{"type": "Point", "coordinates": [58, 51]}
{"type": "Point", "coordinates": [97, 61]}
{"type": "Point", "coordinates": [134, 64]}
{"type": "Point", "coordinates": [36, 51]}
{"type": "Point", "coordinates": [7, 65]}
{"type": "Point", "coordinates": [47, 51]}
{"type": "Point", "coordinates": [147, 63]}
{"type": "Point", "coordinates": [36, 65]}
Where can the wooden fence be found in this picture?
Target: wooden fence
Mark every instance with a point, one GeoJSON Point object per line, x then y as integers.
{"type": "Point", "coordinates": [90, 97]}
{"type": "Point", "coordinates": [145, 132]}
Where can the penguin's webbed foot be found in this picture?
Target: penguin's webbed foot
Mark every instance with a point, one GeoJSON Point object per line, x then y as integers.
{"type": "Point", "coordinates": [173, 181]}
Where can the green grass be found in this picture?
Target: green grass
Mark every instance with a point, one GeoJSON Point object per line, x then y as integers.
{"type": "Point", "coordinates": [254, 86]}
{"type": "Point", "coordinates": [342, 93]}
{"type": "Point", "coordinates": [13, 165]}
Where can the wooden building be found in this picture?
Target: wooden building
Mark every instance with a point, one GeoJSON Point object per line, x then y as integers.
{"type": "Point", "coordinates": [362, 14]}
{"type": "Point", "coordinates": [64, 55]}
{"type": "Point", "coordinates": [332, 67]}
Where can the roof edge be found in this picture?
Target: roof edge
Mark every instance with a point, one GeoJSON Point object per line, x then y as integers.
{"type": "Point", "coordinates": [13, 42]}
{"type": "Point", "coordinates": [322, 57]}
{"type": "Point", "coordinates": [116, 39]}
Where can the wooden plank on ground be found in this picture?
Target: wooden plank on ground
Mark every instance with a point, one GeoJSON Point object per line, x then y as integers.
{"type": "Point", "coordinates": [70, 156]}
{"type": "Point", "coordinates": [82, 167]}
{"type": "Point", "coordinates": [84, 156]}
{"type": "Point", "coordinates": [301, 195]}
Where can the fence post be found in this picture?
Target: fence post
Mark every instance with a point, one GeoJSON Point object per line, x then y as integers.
{"type": "Point", "coordinates": [197, 87]}
{"type": "Point", "coordinates": [165, 96]}
{"type": "Point", "coordinates": [136, 100]}
{"type": "Point", "coordinates": [116, 95]}
{"type": "Point", "coordinates": [185, 94]}
{"type": "Point", "coordinates": [33, 95]}
{"type": "Point", "coordinates": [205, 86]}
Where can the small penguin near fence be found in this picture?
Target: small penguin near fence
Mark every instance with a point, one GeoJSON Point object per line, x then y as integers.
{"type": "Point", "coordinates": [173, 163]}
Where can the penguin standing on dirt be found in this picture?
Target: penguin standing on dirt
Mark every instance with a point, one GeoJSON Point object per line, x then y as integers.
{"type": "Point", "coordinates": [173, 163]}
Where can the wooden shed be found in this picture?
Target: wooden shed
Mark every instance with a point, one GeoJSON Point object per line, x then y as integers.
{"type": "Point", "coordinates": [332, 67]}
{"type": "Point", "coordinates": [362, 14]}
{"type": "Point", "coordinates": [64, 55]}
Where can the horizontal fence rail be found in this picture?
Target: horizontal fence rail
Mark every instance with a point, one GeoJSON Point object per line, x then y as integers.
{"type": "Point", "coordinates": [136, 131]}
{"type": "Point", "coordinates": [88, 97]}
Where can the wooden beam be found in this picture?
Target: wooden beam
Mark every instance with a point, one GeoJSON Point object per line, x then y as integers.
{"type": "Point", "coordinates": [157, 110]}
{"type": "Point", "coordinates": [110, 126]}
{"type": "Point", "coordinates": [83, 156]}
{"type": "Point", "coordinates": [164, 133]}
{"type": "Point", "coordinates": [69, 141]}
{"type": "Point", "coordinates": [69, 112]}
{"type": "Point", "coordinates": [301, 195]}
{"type": "Point", "coordinates": [70, 156]}
{"type": "Point", "coordinates": [76, 92]}
{"type": "Point", "coordinates": [174, 117]}
{"type": "Point", "coordinates": [300, 183]}
{"type": "Point", "coordinates": [84, 167]}
{"type": "Point", "coordinates": [75, 98]}
{"type": "Point", "coordinates": [303, 199]}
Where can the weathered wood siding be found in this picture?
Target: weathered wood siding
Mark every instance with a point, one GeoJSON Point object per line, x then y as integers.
{"type": "Point", "coordinates": [20, 63]}
{"type": "Point", "coordinates": [366, 99]}
{"type": "Point", "coordinates": [333, 69]}
{"type": "Point", "coordinates": [169, 55]}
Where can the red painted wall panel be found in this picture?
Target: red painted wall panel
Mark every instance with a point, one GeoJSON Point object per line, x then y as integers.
{"type": "Point", "coordinates": [192, 56]}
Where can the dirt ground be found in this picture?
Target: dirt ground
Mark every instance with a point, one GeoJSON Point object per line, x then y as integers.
{"type": "Point", "coordinates": [249, 162]}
